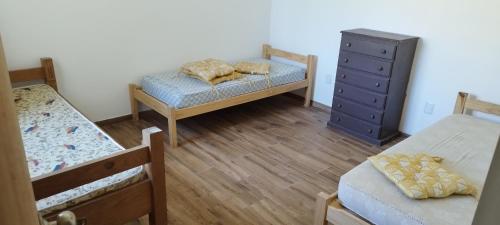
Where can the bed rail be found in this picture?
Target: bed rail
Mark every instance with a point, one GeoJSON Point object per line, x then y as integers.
{"type": "Point", "coordinates": [72, 177]}
{"type": "Point", "coordinates": [465, 102]}
{"type": "Point", "coordinates": [45, 73]}
{"type": "Point", "coordinates": [145, 197]}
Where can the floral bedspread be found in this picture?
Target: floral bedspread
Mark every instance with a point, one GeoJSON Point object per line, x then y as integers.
{"type": "Point", "coordinates": [57, 136]}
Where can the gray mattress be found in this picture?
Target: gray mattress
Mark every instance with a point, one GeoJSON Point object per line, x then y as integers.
{"type": "Point", "coordinates": [180, 91]}
{"type": "Point", "coordinates": [467, 145]}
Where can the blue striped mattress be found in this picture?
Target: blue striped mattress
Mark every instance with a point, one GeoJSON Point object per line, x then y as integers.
{"type": "Point", "coordinates": [180, 91]}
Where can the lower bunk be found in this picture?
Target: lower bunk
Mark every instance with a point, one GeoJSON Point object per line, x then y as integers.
{"type": "Point", "coordinates": [467, 144]}
{"type": "Point", "coordinates": [77, 167]}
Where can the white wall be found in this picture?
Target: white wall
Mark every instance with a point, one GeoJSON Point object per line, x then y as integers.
{"type": "Point", "coordinates": [99, 46]}
{"type": "Point", "coordinates": [459, 50]}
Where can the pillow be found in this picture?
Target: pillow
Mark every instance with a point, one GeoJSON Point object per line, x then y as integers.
{"type": "Point", "coordinates": [252, 68]}
{"type": "Point", "coordinates": [208, 69]}
{"type": "Point", "coordinates": [421, 176]}
{"type": "Point", "coordinates": [233, 76]}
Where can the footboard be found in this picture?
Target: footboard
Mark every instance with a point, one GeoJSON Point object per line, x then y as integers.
{"type": "Point", "coordinates": [119, 207]}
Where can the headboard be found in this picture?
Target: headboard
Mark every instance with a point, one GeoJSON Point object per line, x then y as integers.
{"type": "Point", "coordinates": [45, 73]}
{"type": "Point", "coordinates": [465, 102]}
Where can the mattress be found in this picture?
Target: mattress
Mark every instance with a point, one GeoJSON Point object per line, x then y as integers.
{"type": "Point", "coordinates": [57, 136]}
{"type": "Point", "coordinates": [180, 91]}
{"type": "Point", "coordinates": [467, 145]}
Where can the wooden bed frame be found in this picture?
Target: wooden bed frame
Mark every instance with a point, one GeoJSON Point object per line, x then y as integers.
{"type": "Point", "coordinates": [342, 216]}
{"type": "Point", "coordinates": [146, 197]}
{"type": "Point", "coordinates": [137, 95]}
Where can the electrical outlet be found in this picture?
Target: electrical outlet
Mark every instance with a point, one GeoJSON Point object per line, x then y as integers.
{"type": "Point", "coordinates": [429, 108]}
{"type": "Point", "coordinates": [328, 79]}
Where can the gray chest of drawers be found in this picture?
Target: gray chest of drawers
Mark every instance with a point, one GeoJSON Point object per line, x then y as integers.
{"type": "Point", "coordinates": [370, 88]}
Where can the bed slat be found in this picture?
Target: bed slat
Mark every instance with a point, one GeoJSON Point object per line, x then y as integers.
{"type": "Point", "coordinates": [27, 75]}
{"type": "Point", "coordinates": [288, 55]}
{"type": "Point", "coordinates": [237, 100]}
{"type": "Point", "coordinates": [72, 177]}
{"type": "Point", "coordinates": [116, 208]}
{"type": "Point", "coordinates": [482, 106]}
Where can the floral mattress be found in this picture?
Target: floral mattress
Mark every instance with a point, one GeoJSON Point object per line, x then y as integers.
{"type": "Point", "coordinates": [57, 136]}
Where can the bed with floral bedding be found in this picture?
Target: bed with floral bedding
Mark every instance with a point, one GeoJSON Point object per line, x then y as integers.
{"type": "Point", "coordinates": [57, 136]}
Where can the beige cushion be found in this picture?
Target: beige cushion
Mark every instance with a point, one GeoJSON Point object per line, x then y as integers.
{"type": "Point", "coordinates": [253, 68]}
{"type": "Point", "coordinates": [208, 69]}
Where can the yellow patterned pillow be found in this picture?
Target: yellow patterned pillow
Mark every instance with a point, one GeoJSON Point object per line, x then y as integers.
{"type": "Point", "coordinates": [253, 68]}
{"type": "Point", "coordinates": [233, 76]}
{"type": "Point", "coordinates": [421, 176]}
{"type": "Point", "coordinates": [208, 69]}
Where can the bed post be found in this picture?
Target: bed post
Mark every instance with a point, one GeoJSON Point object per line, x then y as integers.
{"type": "Point", "coordinates": [320, 210]}
{"type": "Point", "coordinates": [312, 62]}
{"type": "Point", "coordinates": [460, 104]}
{"type": "Point", "coordinates": [172, 128]}
{"type": "Point", "coordinates": [133, 102]}
{"type": "Point", "coordinates": [50, 75]}
{"type": "Point", "coordinates": [152, 137]}
{"type": "Point", "coordinates": [266, 51]}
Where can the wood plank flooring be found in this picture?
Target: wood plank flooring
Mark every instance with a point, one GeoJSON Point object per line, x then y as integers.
{"type": "Point", "coordinates": [258, 163]}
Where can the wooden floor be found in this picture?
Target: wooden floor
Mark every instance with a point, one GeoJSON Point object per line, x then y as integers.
{"type": "Point", "coordinates": [259, 163]}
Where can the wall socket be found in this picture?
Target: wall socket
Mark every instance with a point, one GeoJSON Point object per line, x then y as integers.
{"type": "Point", "coordinates": [429, 108]}
{"type": "Point", "coordinates": [328, 78]}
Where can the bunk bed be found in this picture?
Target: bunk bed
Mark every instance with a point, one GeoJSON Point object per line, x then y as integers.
{"type": "Point", "coordinates": [178, 97]}
{"type": "Point", "coordinates": [77, 167]}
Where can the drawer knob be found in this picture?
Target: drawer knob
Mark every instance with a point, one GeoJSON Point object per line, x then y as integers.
{"type": "Point", "coordinates": [343, 76]}
{"type": "Point", "coordinates": [370, 131]}
{"type": "Point", "coordinates": [383, 51]}
{"type": "Point", "coordinates": [338, 119]}
{"type": "Point", "coordinates": [380, 68]}
{"type": "Point", "coordinates": [375, 100]}
{"type": "Point", "coordinates": [377, 84]}
{"type": "Point", "coordinates": [341, 90]}
{"type": "Point", "coordinates": [348, 44]}
{"type": "Point", "coordinates": [346, 60]}
{"type": "Point", "coordinates": [339, 106]}
{"type": "Point", "coordinates": [372, 116]}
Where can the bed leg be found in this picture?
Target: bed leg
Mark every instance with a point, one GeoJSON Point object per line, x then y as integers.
{"type": "Point", "coordinates": [134, 105]}
{"type": "Point", "coordinates": [172, 129]}
{"type": "Point", "coordinates": [312, 62]}
{"type": "Point", "coordinates": [320, 210]}
{"type": "Point", "coordinates": [156, 171]}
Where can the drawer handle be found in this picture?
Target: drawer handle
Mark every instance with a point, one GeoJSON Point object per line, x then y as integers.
{"type": "Point", "coordinates": [339, 106]}
{"type": "Point", "coordinates": [375, 100]}
{"type": "Point", "coordinates": [383, 51]}
{"type": "Point", "coordinates": [380, 68]}
{"type": "Point", "coordinates": [341, 91]}
{"type": "Point", "coordinates": [372, 116]}
{"type": "Point", "coordinates": [348, 44]}
{"type": "Point", "coordinates": [370, 131]}
{"type": "Point", "coordinates": [377, 84]}
{"type": "Point", "coordinates": [346, 60]}
{"type": "Point", "coordinates": [343, 76]}
{"type": "Point", "coordinates": [338, 119]}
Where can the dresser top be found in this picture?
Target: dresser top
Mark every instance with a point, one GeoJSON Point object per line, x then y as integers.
{"type": "Point", "coordinates": [379, 34]}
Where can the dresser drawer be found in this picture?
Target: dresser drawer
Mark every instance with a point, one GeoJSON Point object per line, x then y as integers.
{"type": "Point", "coordinates": [359, 95]}
{"type": "Point", "coordinates": [385, 50]}
{"type": "Point", "coordinates": [363, 80]}
{"type": "Point", "coordinates": [365, 63]}
{"type": "Point", "coordinates": [356, 125]}
{"type": "Point", "coordinates": [358, 111]}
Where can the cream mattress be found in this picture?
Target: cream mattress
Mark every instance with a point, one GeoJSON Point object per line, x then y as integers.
{"type": "Point", "coordinates": [467, 144]}
{"type": "Point", "coordinates": [57, 136]}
